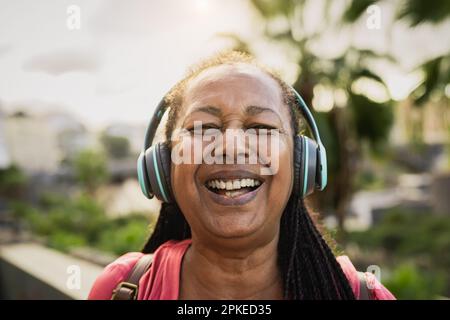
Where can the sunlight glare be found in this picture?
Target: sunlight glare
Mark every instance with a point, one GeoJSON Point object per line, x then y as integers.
{"type": "Point", "coordinates": [201, 5]}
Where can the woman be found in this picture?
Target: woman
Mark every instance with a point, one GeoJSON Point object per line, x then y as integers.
{"type": "Point", "coordinates": [218, 240]}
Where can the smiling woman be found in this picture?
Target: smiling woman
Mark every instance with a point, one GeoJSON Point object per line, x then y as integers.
{"type": "Point", "coordinates": [225, 230]}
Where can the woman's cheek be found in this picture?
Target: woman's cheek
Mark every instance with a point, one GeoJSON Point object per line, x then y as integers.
{"type": "Point", "coordinates": [282, 165]}
{"type": "Point", "coordinates": [275, 155]}
{"type": "Point", "coordinates": [183, 182]}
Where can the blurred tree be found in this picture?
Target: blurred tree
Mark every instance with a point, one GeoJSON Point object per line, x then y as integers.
{"type": "Point", "coordinates": [67, 222]}
{"type": "Point", "coordinates": [415, 246]}
{"type": "Point", "coordinates": [115, 146]}
{"type": "Point", "coordinates": [125, 235]}
{"type": "Point", "coordinates": [12, 182]}
{"type": "Point", "coordinates": [351, 118]}
{"type": "Point", "coordinates": [414, 11]}
{"type": "Point", "coordinates": [407, 281]}
{"type": "Point", "coordinates": [90, 169]}
{"type": "Point", "coordinates": [436, 70]}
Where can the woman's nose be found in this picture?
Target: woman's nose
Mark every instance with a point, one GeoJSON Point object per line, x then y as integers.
{"type": "Point", "coordinates": [233, 146]}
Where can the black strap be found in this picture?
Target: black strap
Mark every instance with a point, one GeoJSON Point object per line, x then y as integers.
{"type": "Point", "coordinates": [128, 290]}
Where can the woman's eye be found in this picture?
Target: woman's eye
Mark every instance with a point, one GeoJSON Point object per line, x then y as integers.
{"type": "Point", "coordinates": [260, 127]}
{"type": "Point", "coordinates": [203, 128]}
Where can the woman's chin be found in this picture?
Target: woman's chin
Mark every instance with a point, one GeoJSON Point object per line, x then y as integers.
{"type": "Point", "coordinates": [239, 225]}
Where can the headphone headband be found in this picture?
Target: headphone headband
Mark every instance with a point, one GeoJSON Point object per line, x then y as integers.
{"type": "Point", "coordinates": [322, 154]}
{"type": "Point", "coordinates": [307, 114]}
{"type": "Point", "coordinates": [154, 123]}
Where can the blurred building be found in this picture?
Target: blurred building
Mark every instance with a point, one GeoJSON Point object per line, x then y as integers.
{"type": "Point", "coordinates": [30, 143]}
{"type": "Point", "coordinates": [72, 135]}
{"type": "Point", "coordinates": [134, 133]}
{"type": "Point", "coordinates": [430, 122]}
{"type": "Point", "coordinates": [125, 198]}
{"type": "Point", "coordinates": [39, 143]}
{"type": "Point", "coordinates": [5, 159]}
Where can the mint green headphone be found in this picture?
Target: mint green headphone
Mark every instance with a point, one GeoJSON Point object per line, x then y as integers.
{"type": "Point", "coordinates": [310, 159]}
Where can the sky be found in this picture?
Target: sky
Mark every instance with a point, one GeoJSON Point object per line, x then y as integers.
{"type": "Point", "coordinates": [127, 54]}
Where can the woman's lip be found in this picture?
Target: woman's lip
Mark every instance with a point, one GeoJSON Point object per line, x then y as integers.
{"type": "Point", "coordinates": [236, 201]}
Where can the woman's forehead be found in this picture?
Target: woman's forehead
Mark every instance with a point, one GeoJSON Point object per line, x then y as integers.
{"type": "Point", "coordinates": [237, 84]}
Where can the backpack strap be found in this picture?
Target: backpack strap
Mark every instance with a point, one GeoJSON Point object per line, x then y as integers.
{"type": "Point", "coordinates": [128, 289]}
{"type": "Point", "coordinates": [364, 293]}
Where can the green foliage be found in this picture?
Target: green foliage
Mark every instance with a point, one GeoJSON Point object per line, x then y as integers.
{"type": "Point", "coordinates": [356, 9]}
{"type": "Point", "coordinates": [409, 234]}
{"type": "Point", "coordinates": [437, 76]}
{"type": "Point", "coordinates": [420, 11]}
{"type": "Point", "coordinates": [407, 281]}
{"type": "Point", "coordinates": [419, 244]}
{"type": "Point", "coordinates": [269, 8]}
{"type": "Point", "coordinates": [12, 181]}
{"type": "Point", "coordinates": [63, 241]}
{"type": "Point", "coordinates": [368, 180]}
{"type": "Point", "coordinates": [372, 120]}
{"type": "Point", "coordinates": [413, 11]}
{"type": "Point", "coordinates": [81, 221]}
{"type": "Point", "coordinates": [123, 237]}
{"type": "Point", "coordinates": [90, 169]}
{"type": "Point", "coordinates": [116, 147]}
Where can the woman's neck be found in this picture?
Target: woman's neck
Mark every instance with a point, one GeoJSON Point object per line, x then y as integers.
{"type": "Point", "coordinates": [209, 273]}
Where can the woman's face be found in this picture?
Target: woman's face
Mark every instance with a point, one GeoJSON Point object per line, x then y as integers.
{"type": "Point", "coordinates": [234, 199]}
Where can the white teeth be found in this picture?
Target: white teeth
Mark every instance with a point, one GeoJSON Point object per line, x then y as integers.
{"type": "Point", "coordinates": [231, 194]}
{"type": "Point", "coordinates": [233, 184]}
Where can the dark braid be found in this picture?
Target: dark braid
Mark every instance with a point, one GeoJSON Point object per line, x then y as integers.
{"type": "Point", "coordinates": [307, 264]}
{"type": "Point", "coordinates": [171, 225]}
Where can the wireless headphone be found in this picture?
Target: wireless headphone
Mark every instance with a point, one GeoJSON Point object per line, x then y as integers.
{"type": "Point", "coordinates": [310, 159]}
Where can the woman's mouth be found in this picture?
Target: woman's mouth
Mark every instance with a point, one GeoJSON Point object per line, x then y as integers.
{"type": "Point", "coordinates": [233, 191]}
{"type": "Point", "coordinates": [233, 188]}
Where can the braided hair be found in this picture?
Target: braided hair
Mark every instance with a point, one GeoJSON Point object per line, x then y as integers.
{"type": "Point", "coordinates": [308, 266]}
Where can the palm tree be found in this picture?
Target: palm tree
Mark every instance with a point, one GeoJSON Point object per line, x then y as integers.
{"type": "Point", "coordinates": [436, 70]}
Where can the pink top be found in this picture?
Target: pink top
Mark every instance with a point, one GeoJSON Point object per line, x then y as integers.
{"type": "Point", "coordinates": [162, 280]}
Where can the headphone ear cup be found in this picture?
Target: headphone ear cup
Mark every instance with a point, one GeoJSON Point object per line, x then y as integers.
{"type": "Point", "coordinates": [310, 166]}
{"type": "Point", "coordinates": [305, 163]}
{"type": "Point", "coordinates": [157, 161]}
{"type": "Point", "coordinates": [143, 176]}
{"type": "Point", "coordinates": [298, 165]}
{"type": "Point", "coordinates": [165, 157]}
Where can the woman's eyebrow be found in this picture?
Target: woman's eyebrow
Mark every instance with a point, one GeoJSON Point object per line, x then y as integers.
{"type": "Point", "coordinates": [254, 110]}
{"type": "Point", "coordinates": [250, 110]}
{"type": "Point", "coordinates": [215, 111]}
